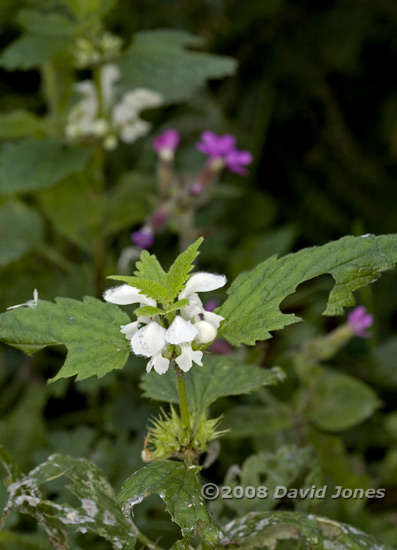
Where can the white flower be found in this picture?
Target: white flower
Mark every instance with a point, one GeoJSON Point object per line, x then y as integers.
{"type": "Point", "coordinates": [125, 294]}
{"type": "Point", "coordinates": [180, 331]}
{"type": "Point", "coordinates": [29, 303]}
{"type": "Point", "coordinates": [149, 340]}
{"type": "Point", "coordinates": [187, 356]}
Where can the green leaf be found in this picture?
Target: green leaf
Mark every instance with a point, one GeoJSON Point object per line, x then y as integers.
{"type": "Point", "coordinates": [177, 305]}
{"type": "Point", "coordinates": [218, 377]}
{"type": "Point", "coordinates": [158, 60]}
{"type": "Point", "coordinates": [289, 466]}
{"type": "Point", "coordinates": [153, 289]}
{"type": "Point", "coordinates": [339, 402]}
{"type": "Point", "coordinates": [253, 307]}
{"type": "Point", "coordinates": [98, 513]}
{"type": "Point", "coordinates": [264, 529]}
{"type": "Point", "coordinates": [18, 123]}
{"type": "Point", "coordinates": [38, 163]}
{"type": "Point", "coordinates": [44, 23]}
{"type": "Point", "coordinates": [179, 271]}
{"type": "Point", "coordinates": [90, 330]}
{"type": "Point", "coordinates": [21, 229]}
{"type": "Point", "coordinates": [178, 487]}
{"type": "Point", "coordinates": [30, 51]}
{"type": "Point", "coordinates": [149, 268]}
{"type": "Point", "coordinates": [148, 311]}
{"type": "Point", "coordinates": [75, 209]}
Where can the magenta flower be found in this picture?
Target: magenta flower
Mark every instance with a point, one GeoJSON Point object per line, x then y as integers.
{"type": "Point", "coordinates": [166, 143]}
{"type": "Point", "coordinates": [222, 151]}
{"type": "Point", "coordinates": [358, 320]}
{"type": "Point", "coordinates": [211, 305]}
{"type": "Point", "coordinates": [143, 238]}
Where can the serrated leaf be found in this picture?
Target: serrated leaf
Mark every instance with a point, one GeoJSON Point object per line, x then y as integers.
{"type": "Point", "coordinates": [98, 513]}
{"type": "Point", "coordinates": [180, 269]}
{"type": "Point", "coordinates": [38, 163]}
{"type": "Point", "coordinates": [339, 402]}
{"type": "Point", "coordinates": [158, 60]}
{"type": "Point", "coordinates": [153, 289]}
{"type": "Point", "coordinates": [21, 229]}
{"type": "Point", "coordinates": [148, 311]}
{"type": "Point", "coordinates": [218, 377]}
{"type": "Point", "coordinates": [149, 268]}
{"type": "Point", "coordinates": [90, 330]}
{"type": "Point", "coordinates": [177, 305]}
{"type": "Point", "coordinates": [252, 309]}
{"type": "Point", "coordinates": [18, 123]}
{"type": "Point", "coordinates": [178, 487]}
{"type": "Point", "coordinates": [264, 529]}
{"type": "Point", "coordinates": [30, 51]}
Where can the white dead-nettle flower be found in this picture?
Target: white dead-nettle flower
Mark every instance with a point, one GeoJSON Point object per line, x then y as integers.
{"type": "Point", "coordinates": [194, 325]}
{"type": "Point", "coordinates": [108, 120]}
{"type": "Point", "coordinates": [29, 303]}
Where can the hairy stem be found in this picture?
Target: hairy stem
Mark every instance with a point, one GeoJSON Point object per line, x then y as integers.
{"type": "Point", "coordinates": [185, 416]}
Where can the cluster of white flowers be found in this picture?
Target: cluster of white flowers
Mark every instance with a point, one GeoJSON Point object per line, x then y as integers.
{"type": "Point", "coordinates": [102, 48]}
{"type": "Point", "coordinates": [194, 325]}
{"type": "Point", "coordinates": [102, 118]}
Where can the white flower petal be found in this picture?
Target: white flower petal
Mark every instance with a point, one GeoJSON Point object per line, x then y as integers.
{"type": "Point", "coordinates": [159, 363]}
{"type": "Point", "coordinates": [110, 73]}
{"type": "Point", "coordinates": [206, 332]}
{"type": "Point", "coordinates": [213, 318]}
{"type": "Point", "coordinates": [149, 340]}
{"type": "Point", "coordinates": [125, 294]}
{"type": "Point", "coordinates": [180, 331]}
{"type": "Point", "coordinates": [132, 131]}
{"type": "Point", "coordinates": [187, 356]}
{"type": "Point", "coordinates": [202, 282]}
{"type": "Point", "coordinates": [130, 329]}
{"type": "Point", "coordinates": [194, 308]}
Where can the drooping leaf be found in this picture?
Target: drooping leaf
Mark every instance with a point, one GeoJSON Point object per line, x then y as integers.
{"type": "Point", "coordinates": [218, 377]}
{"type": "Point", "coordinates": [180, 269]}
{"type": "Point", "coordinates": [339, 402]}
{"type": "Point", "coordinates": [90, 330]}
{"type": "Point", "coordinates": [30, 51]}
{"type": "Point", "coordinates": [178, 487]}
{"type": "Point", "coordinates": [264, 529]}
{"type": "Point", "coordinates": [98, 513]}
{"type": "Point", "coordinates": [21, 229]}
{"type": "Point", "coordinates": [158, 60]}
{"type": "Point", "coordinates": [38, 163]}
{"type": "Point", "coordinates": [18, 123]}
{"type": "Point", "coordinates": [252, 309]}
{"type": "Point", "coordinates": [149, 268]}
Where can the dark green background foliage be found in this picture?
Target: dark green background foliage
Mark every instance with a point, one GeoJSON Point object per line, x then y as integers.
{"type": "Point", "coordinates": [314, 98]}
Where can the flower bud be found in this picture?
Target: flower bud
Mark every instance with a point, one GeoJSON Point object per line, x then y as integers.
{"type": "Point", "coordinates": [207, 332]}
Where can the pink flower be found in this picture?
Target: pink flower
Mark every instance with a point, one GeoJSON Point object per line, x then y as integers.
{"type": "Point", "coordinates": [166, 143]}
{"type": "Point", "coordinates": [143, 238]}
{"type": "Point", "coordinates": [222, 151]}
{"type": "Point", "coordinates": [358, 320]}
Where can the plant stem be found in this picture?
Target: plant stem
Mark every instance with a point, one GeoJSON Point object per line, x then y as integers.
{"type": "Point", "coordinates": [50, 90]}
{"type": "Point", "coordinates": [144, 539]}
{"type": "Point", "coordinates": [185, 416]}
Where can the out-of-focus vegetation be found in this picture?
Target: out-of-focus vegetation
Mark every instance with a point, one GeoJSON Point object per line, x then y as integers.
{"type": "Point", "coordinates": [313, 97]}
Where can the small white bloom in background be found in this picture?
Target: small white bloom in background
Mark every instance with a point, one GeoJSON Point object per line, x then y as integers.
{"type": "Point", "coordinates": [118, 120]}
{"type": "Point", "coordinates": [194, 325]}
{"type": "Point", "coordinates": [29, 303]}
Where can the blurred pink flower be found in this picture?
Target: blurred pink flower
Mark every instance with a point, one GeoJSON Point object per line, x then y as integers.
{"type": "Point", "coordinates": [166, 143]}
{"type": "Point", "coordinates": [358, 320]}
{"type": "Point", "coordinates": [222, 149]}
{"type": "Point", "coordinates": [143, 238]}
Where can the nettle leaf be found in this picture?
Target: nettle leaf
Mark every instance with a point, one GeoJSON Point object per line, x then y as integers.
{"type": "Point", "coordinates": [218, 377]}
{"type": "Point", "coordinates": [30, 51]}
{"type": "Point", "coordinates": [178, 487]}
{"type": "Point", "coordinates": [21, 230]}
{"type": "Point", "coordinates": [90, 330]}
{"type": "Point", "coordinates": [98, 513]}
{"type": "Point", "coordinates": [148, 311]}
{"type": "Point", "coordinates": [264, 529]}
{"type": "Point", "coordinates": [180, 269]}
{"type": "Point", "coordinates": [19, 123]}
{"type": "Point", "coordinates": [38, 163]}
{"type": "Point", "coordinates": [151, 288]}
{"type": "Point", "coordinates": [158, 60]}
{"type": "Point", "coordinates": [252, 309]}
{"type": "Point", "coordinates": [149, 268]}
{"type": "Point", "coordinates": [177, 305]}
{"type": "Point", "coordinates": [339, 402]}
